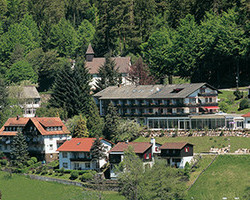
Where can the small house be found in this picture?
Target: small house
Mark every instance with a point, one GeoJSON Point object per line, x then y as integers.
{"type": "Point", "coordinates": [177, 154]}
{"type": "Point", "coordinates": [75, 154]}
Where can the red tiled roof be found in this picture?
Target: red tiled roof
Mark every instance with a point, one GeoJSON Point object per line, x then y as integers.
{"type": "Point", "coordinates": [49, 122]}
{"type": "Point", "coordinates": [21, 121]}
{"type": "Point", "coordinates": [39, 122]}
{"type": "Point", "coordinates": [139, 147]}
{"type": "Point", "coordinates": [174, 145]}
{"type": "Point", "coordinates": [78, 144]}
{"type": "Point", "coordinates": [246, 115]}
{"type": "Point", "coordinates": [123, 63]}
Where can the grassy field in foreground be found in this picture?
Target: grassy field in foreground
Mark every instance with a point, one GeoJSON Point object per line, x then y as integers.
{"type": "Point", "coordinates": [228, 176]}
{"type": "Point", "coordinates": [203, 144]}
{"type": "Point", "coordinates": [19, 187]}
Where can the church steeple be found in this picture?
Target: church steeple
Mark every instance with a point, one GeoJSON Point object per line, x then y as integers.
{"type": "Point", "coordinates": [90, 54]}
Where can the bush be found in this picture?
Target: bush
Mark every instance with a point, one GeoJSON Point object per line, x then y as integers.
{"type": "Point", "coordinates": [238, 95]}
{"type": "Point", "coordinates": [223, 106]}
{"type": "Point", "coordinates": [30, 162]}
{"type": "Point", "coordinates": [87, 176]}
{"type": "Point", "coordinates": [34, 159]}
{"type": "Point", "coordinates": [61, 170]}
{"type": "Point", "coordinates": [244, 103]}
{"type": "Point", "coordinates": [50, 172]}
{"type": "Point", "coordinates": [74, 175]}
{"type": "Point", "coordinates": [3, 162]}
{"type": "Point", "coordinates": [44, 172]}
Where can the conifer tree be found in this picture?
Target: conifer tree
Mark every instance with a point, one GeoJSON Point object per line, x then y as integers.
{"type": "Point", "coordinates": [71, 89]}
{"type": "Point", "coordinates": [81, 129]}
{"type": "Point", "coordinates": [95, 123]}
{"type": "Point", "coordinates": [109, 75]}
{"type": "Point", "coordinates": [19, 153]}
{"type": "Point", "coordinates": [97, 151]}
{"type": "Point", "coordinates": [111, 122]}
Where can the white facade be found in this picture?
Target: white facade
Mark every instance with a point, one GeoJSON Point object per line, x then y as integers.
{"type": "Point", "coordinates": [82, 160]}
{"type": "Point", "coordinates": [180, 162]}
{"type": "Point", "coordinates": [95, 78]}
{"type": "Point", "coordinates": [51, 142]}
{"type": "Point", "coordinates": [247, 123]}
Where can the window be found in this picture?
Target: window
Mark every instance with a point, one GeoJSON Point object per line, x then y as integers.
{"type": "Point", "coordinates": [76, 166]}
{"type": "Point", "coordinates": [87, 165]}
{"type": "Point", "coordinates": [51, 147]}
{"type": "Point", "coordinates": [64, 154]}
{"type": "Point", "coordinates": [59, 128]}
{"type": "Point", "coordinates": [186, 149]}
{"type": "Point", "coordinates": [51, 155]}
{"type": "Point", "coordinates": [51, 137]}
{"type": "Point", "coordinates": [65, 165]}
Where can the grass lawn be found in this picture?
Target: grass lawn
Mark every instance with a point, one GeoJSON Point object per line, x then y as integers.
{"type": "Point", "coordinates": [228, 176]}
{"type": "Point", "coordinates": [203, 163]}
{"type": "Point", "coordinates": [233, 105]}
{"type": "Point", "coordinates": [203, 144]}
{"type": "Point", "coordinates": [19, 187]}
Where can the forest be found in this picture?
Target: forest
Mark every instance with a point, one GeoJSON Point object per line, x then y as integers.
{"type": "Point", "coordinates": [200, 40]}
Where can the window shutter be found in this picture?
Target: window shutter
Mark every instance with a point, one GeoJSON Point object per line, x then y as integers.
{"type": "Point", "coordinates": [145, 156]}
{"type": "Point", "coordinates": [156, 148]}
{"type": "Point", "coordinates": [150, 155]}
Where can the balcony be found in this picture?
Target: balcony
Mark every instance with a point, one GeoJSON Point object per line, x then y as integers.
{"type": "Point", "coordinates": [207, 94]}
{"type": "Point", "coordinates": [208, 104]}
{"type": "Point", "coordinates": [153, 114]}
{"type": "Point", "coordinates": [81, 159]}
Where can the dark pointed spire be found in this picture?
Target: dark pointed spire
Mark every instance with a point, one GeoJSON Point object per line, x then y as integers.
{"type": "Point", "coordinates": [90, 53]}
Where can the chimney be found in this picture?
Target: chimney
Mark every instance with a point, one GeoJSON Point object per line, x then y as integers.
{"type": "Point", "coordinates": [126, 141]}
{"type": "Point", "coordinates": [152, 141]}
{"type": "Point", "coordinates": [17, 117]}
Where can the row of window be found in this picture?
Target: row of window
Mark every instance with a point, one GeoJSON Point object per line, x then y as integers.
{"type": "Point", "coordinates": [148, 102]}
{"type": "Point", "coordinates": [77, 155]}
{"type": "Point", "coordinates": [12, 128]}
{"type": "Point", "coordinates": [157, 111]}
{"type": "Point", "coordinates": [54, 128]}
{"type": "Point", "coordinates": [78, 166]}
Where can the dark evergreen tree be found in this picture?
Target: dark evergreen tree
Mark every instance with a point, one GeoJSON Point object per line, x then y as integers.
{"type": "Point", "coordinates": [97, 151]}
{"type": "Point", "coordinates": [19, 153]}
{"type": "Point", "coordinates": [109, 75]}
{"type": "Point", "coordinates": [95, 123]}
{"type": "Point", "coordinates": [111, 122]}
{"type": "Point", "coordinates": [71, 89]}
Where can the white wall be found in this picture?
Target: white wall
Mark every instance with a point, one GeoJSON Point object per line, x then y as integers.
{"type": "Point", "coordinates": [247, 123]}
{"type": "Point", "coordinates": [52, 140]}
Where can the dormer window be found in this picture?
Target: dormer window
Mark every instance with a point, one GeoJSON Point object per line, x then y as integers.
{"type": "Point", "coordinates": [177, 90]}
{"type": "Point", "coordinates": [54, 128]}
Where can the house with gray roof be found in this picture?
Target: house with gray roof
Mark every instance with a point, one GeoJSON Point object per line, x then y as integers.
{"type": "Point", "coordinates": [164, 106]}
{"type": "Point", "coordinates": [27, 98]}
{"type": "Point", "coordinates": [93, 64]}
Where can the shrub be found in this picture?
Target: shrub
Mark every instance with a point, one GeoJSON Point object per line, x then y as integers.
{"type": "Point", "coordinates": [44, 172]}
{"type": "Point", "coordinates": [223, 106]}
{"type": "Point", "coordinates": [50, 172]}
{"type": "Point", "coordinates": [238, 95]}
{"type": "Point", "coordinates": [244, 103]}
{"type": "Point", "coordinates": [74, 175]}
{"type": "Point", "coordinates": [30, 162]}
{"type": "Point", "coordinates": [34, 159]}
{"type": "Point", "coordinates": [3, 162]}
{"type": "Point", "coordinates": [61, 170]}
{"type": "Point", "coordinates": [87, 176]}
